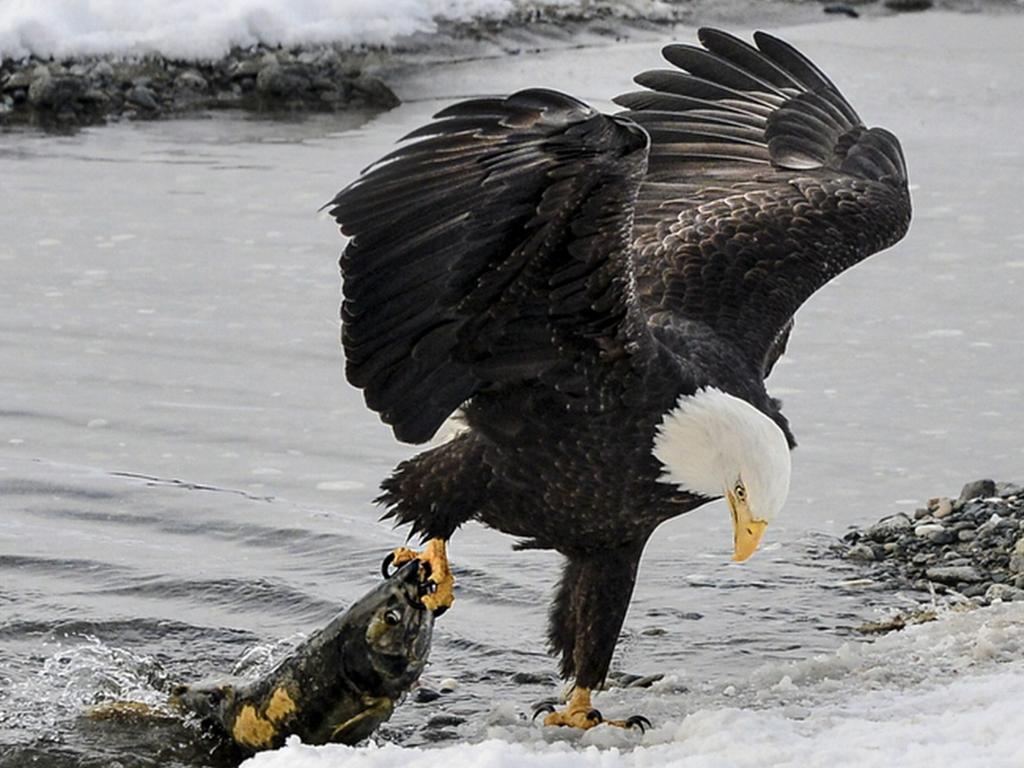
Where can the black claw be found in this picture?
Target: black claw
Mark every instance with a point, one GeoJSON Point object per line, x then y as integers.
{"type": "Point", "coordinates": [595, 714]}
{"type": "Point", "coordinates": [441, 609]}
{"type": "Point", "coordinates": [384, 566]}
{"type": "Point", "coordinates": [639, 721]}
{"type": "Point", "coordinates": [542, 709]}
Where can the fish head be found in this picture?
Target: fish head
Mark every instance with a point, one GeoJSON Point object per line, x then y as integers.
{"type": "Point", "coordinates": [398, 627]}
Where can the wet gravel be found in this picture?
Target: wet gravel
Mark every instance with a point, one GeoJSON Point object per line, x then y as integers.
{"type": "Point", "coordinates": [972, 545]}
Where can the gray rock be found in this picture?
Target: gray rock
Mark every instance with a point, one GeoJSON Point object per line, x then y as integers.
{"type": "Point", "coordinates": [1017, 557]}
{"type": "Point", "coordinates": [966, 534]}
{"type": "Point", "coordinates": [141, 96]}
{"type": "Point", "coordinates": [425, 695]}
{"type": "Point", "coordinates": [375, 91]}
{"type": "Point", "coordinates": [860, 552]}
{"type": "Point", "coordinates": [102, 70]}
{"type": "Point", "coordinates": [921, 512]}
{"type": "Point", "coordinates": [191, 80]}
{"type": "Point", "coordinates": [56, 92]}
{"type": "Point", "coordinates": [1003, 592]}
{"type": "Point", "coordinates": [889, 528]}
{"type": "Point", "coordinates": [283, 80]}
{"type": "Point", "coordinates": [927, 530]}
{"type": "Point", "coordinates": [18, 81]}
{"type": "Point", "coordinates": [954, 574]}
{"type": "Point", "coordinates": [942, 537]}
{"type": "Point", "coordinates": [1009, 489]}
{"type": "Point", "coordinates": [445, 720]}
{"type": "Point", "coordinates": [978, 489]}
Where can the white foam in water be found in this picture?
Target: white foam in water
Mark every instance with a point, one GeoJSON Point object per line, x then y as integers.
{"type": "Point", "coordinates": [936, 694]}
{"type": "Point", "coordinates": [201, 29]}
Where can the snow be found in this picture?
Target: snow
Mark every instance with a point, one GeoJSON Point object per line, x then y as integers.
{"type": "Point", "coordinates": [940, 693]}
{"type": "Point", "coordinates": [193, 29]}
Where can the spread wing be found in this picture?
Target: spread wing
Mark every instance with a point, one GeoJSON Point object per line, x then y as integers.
{"type": "Point", "coordinates": [488, 252]}
{"type": "Point", "coordinates": [763, 184]}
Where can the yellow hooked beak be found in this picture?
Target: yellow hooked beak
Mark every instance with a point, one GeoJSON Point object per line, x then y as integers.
{"type": "Point", "coordinates": [746, 531]}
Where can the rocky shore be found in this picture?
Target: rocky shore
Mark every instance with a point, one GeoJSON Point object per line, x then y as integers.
{"type": "Point", "coordinates": [85, 92]}
{"type": "Point", "coordinates": [67, 93]}
{"type": "Point", "coordinates": [971, 546]}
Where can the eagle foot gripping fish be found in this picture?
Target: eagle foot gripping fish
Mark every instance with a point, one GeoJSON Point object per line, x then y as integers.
{"type": "Point", "coordinates": [339, 685]}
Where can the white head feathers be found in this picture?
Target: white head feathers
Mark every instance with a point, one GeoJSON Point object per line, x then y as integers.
{"type": "Point", "coordinates": [712, 440]}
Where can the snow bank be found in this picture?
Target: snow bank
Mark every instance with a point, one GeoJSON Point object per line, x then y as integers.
{"type": "Point", "coordinates": [962, 708]}
{"type": "Point", "coordinates": [196, 29]}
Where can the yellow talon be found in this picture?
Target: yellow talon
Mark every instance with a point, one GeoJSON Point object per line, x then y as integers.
{"type": "Point", "coordinates": [435, 571]}
{"type": "Point", "coordinates": [580, 713]}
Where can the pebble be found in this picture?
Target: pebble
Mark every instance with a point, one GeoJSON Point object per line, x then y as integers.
{"type": "Point", "coordinates": [889, 527]}
{"type": "Point", "coordinates": [425, 695]}
{"type": "Point", "coordinates": [445, 720]}
{"type": "Point", "coordinates": [929, 530]}
{"type": "Point", "coordinates": [1017, 557]}
{"type": "Point", "coordinates": [953, 574]}
{"type": "Point", "coordinates": [860, 552]}
{"type": "Point", "coordinates": [142, 96]}
{"type": "Point", "coordinates": [1004, 592]}
{"type": "Point", "coordinates": [449, 684]}
{"type": "Point", "coordinates": [977, 489]}
{"type": "Point", "coordinates": [944, 508]}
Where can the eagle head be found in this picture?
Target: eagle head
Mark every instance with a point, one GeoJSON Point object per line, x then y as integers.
{"type": "Point", "coordinates": [713, 444]}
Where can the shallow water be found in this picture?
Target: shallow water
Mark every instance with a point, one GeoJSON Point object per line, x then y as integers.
{"type": "Point", "coordinates": [186, 477]}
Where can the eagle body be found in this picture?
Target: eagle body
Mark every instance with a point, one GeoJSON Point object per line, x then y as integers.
{"type": "Point", "coordinates": [600, 298]}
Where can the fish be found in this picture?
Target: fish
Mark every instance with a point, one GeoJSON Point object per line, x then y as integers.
{"type": "Point", "coordinates": [338, 686]}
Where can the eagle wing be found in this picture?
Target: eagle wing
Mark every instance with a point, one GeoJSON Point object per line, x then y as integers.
{"type": "Point", "coordinates": [492, 249]}
{"type": "Point", "coordinates": [763, 184]}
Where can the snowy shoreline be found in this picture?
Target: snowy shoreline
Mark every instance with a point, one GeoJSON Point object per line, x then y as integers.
{"type": "Point", "coordinates": [302, 59]}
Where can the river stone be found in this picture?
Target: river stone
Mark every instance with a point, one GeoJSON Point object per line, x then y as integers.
{"type": "Point", "coordinates": [191, 80]}
{"type": "Point", "coordinates": [141, 96]}
{"type": "Point", "coordinates": [282, 80]}
{"type": "Point", "coordinates": [1004, 592]}
{"type": "Point", "coordinates": [1017, 557]}
{"type": "Point", "coordinates": [890, 527]}
{"type": "Point", "coordinates": [56, 91]}
{"type": "Point", "coordinates": [943, 508]}
{"type": "Point", "coordinates": [860, 552]}
{"type": "Point", "coordinates": [953, 574]}
{"type": "Point", "coordinates": [927, 530]}
{"type": "Point", "coordinates": [18, 81]}
{"type": "Point", "coordinates": [976, 489]}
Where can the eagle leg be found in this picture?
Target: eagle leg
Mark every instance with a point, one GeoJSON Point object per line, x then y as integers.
{"type": "Point", "coordinates": [586, 617]}
{"type": "Point", "coordinates": [434, 571]}
{"type": "Point", "coordinates": [579, 713]}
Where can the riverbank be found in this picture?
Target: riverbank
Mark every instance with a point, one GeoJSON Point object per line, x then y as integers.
{"type": "Point", "coordinates": [971, 546]}
{"type": "Point", "coordinates": [52, 79]}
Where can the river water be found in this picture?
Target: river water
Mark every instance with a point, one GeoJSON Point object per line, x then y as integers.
{"type": "Point", "coordinates": [186, 478]}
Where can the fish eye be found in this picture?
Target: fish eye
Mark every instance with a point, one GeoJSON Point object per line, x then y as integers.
{"type": "Point", "coordinates": [392, 617]}
{"type": "Point", "coordinates": [740, 491]}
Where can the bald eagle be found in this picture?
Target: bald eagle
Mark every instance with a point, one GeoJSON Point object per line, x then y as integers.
{"type": "Point", "coordinates": [601, 297]}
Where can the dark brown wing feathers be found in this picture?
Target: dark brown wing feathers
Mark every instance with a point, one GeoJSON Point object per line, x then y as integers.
{"type": "Point", "coordinates": [489, 248]}
{"type": "Point", "coordinates": [763, 184]}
